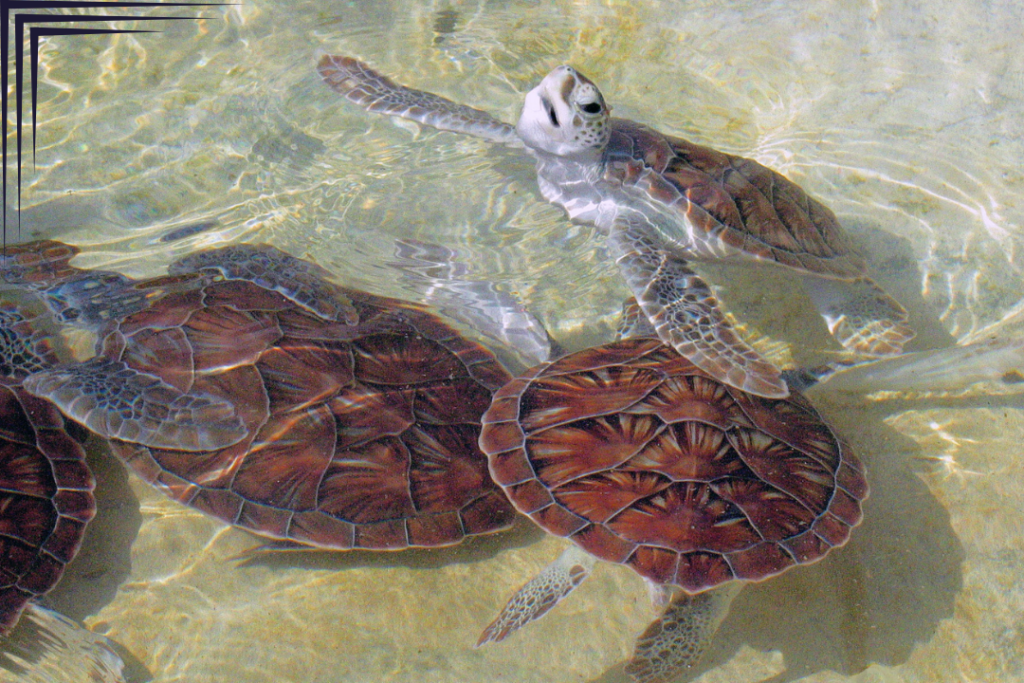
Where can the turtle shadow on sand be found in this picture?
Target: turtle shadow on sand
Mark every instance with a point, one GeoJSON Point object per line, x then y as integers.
{"type": "Point", "coordinates": [104, 561]}
{"type": "Point", "coordinates": [473, 549]}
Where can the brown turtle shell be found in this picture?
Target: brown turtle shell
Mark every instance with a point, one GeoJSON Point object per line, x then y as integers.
{"type": "Point", "coordinates": [37, 263]}
{"type": "Point", "coordinates": [733, 200]}
{"type": "Point", "coordinates": [640, 458]}
{"type": "Point", "coordinates": [46, 488]}
{"type": "Point", "coordinates": [356, 435]}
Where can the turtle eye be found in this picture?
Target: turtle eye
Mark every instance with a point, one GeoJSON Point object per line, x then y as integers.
{"type": "Point", "coordinates": [591, 107]}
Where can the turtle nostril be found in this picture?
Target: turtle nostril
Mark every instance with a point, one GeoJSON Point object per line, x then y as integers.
{"type": "Point", "coordinates": [552, 115]}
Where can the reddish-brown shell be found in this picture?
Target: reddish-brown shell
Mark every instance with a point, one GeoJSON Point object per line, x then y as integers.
{"type": "Point", "coordinates": [734, 201]}
{"type": "Point", "coordinates": [46, 488]}
{"type": "Point", "coordinates": [640, 458]}
{"type": "Point", "coordinates": [357, 435]}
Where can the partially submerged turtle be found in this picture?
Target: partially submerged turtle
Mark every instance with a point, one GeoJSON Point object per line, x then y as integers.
{"type": "Point", "coordinates": [664, 202]}
{"type": "Point", "coordinates": [252, 388]}
{"type": "Point", "coordinates": [639, 457]}
{"type": "Point", "coordinates": [46, 488]}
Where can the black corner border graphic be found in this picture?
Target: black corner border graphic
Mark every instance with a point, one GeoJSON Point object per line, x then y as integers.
{"type": "Point", "coordinates": [30, 15]}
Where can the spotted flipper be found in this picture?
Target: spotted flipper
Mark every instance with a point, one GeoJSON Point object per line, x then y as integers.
{"type": "Point", "coordinates": [118, 402]}
{"type": "Point", "coordinates": [862, 317]}
{"type": "Point", "coordinates": [684, 310]}
{"type": "Point", "coordinates": [540, 594]}
{"type": "Point", "coordinates": [305, 283]}
{"type": "Point", "coordinates": [23, 349]}
{"type": "Point", "coordinates": [633, 322]}
{"type": "Point", "coordinates": [676, 640]}
{"type": "Point", "coordinates": [373, 92]}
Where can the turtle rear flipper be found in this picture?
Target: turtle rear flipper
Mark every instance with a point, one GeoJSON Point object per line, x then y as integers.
{"type": "Point", "coordinates": [540, 594]}
{"type": "Point", "coordinates": [373, 92]}
{"type": "Point", "coordinates": [684, 311]}
{"type": "Point", "coordinates": [118, 402]}
{"type": "Point", "coordinates": [862, 317]}
{"type": "Point", "coordinates": [679, 637]}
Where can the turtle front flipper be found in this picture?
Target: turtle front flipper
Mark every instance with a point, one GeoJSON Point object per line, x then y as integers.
{"type": "Point", "coordinates": [301, 282]}
{"type": "Point", "coordinates": [118, 402]}
{"type": "Point", "coordinates": [540, 594]}
{"type": "Point", "coordinates": [373, 92]}
{"type": "Point", "coordinates": [862, 317]}
{"type": "Point", "coordinates": [684, 310]}
{"type": "Point", "coordinates": [676, 640]}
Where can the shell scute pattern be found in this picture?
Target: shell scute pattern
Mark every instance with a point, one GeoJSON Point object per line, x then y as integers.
{"type": "Point", "coordinates": [352, 434]}
{"type": "Point", "coordinates": [760, 211]}
{"type": "Point", "coordinates": [688, 481]}
{"type": "Point", "coordinates": [251, 387]}
{"type": "Point", "coordinates": [46, 497]}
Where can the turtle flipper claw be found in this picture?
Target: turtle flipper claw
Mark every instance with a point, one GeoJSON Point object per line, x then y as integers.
{"type": "Point", "coordinates": [118, 402]}
{"type": "Point", "coordinates": [539, 594]}
{"type": "Point", "coordinates": [685, 312]}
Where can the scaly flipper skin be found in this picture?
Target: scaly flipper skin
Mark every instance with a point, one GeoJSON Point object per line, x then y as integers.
{"type": "Point", "coordinates": [540, 594]}
{"type": "Point", "coordinates": [118, 402]}
{"type": "Point", "coordinates": [363, 86]}
{"type": "Point", "coordinates": [302, 282]}
{"type": "Point", "coordinates": [861, 316]}
{"type": "Point", "coordinates": [677, 639]}
{"type": "Point", "coordinates": [684, 311]}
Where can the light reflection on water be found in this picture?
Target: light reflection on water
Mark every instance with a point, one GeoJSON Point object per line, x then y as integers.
{"type": "Point", "coordinates": [906, 120]}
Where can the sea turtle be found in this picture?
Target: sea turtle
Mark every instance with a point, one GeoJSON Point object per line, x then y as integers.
{"type": "Point", "coordinates": [641, 458]}
{"type": "Point", "coordinates": [46, 488]}
{"type": "Point", "coordinates": [664, 202]}
{"type": "Point", "coordinates": [251, 387]}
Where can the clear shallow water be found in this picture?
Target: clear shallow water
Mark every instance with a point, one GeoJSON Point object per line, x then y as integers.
{"type": "Point", "coordinates": [907, 120]}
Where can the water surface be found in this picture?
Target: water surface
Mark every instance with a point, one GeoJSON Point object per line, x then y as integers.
{"type": "Point", "coordinates": [906, 118]}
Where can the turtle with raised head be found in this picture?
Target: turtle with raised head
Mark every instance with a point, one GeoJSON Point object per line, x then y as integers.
{"type": "Point", "coordinates": [246, 385]}
{"type": "Point", "coordinates": [665, 202]}
{"type": "Point", "coordinates": [639, 457]}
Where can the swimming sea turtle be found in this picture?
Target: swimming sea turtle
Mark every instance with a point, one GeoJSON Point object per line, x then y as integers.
{"type": "Point", "coordinates": [641, 458]}
{"type": "Point", "coordinates": [250, 387]}
{"type": "Point", "coordinates": [664, 202]}
{"type": "Point", "coordinates": [46, 488]}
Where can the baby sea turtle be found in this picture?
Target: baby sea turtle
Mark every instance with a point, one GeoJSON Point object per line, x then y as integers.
{"type": "Point", "coordinates": [237, 387]}
{"type": "Point", "coordinates": [46, 488]}
{"type": "Point", "coordinates": [641, 458]}
{"type": "Point", "coordinates": [664, 202]}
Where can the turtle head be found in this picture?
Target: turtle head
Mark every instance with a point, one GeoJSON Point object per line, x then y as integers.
{"type": "Point", "coordinates": [564, 115]}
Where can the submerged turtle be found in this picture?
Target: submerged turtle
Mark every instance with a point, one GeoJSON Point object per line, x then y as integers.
{"type": "Point", "coordinates": [641, 458]}
{"type": "Point", "coordinates": [46, 488]}
{"type": "Point", "coordinates": [664, 202]}
{"type": "Point", "coordinates": [250, 387]}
